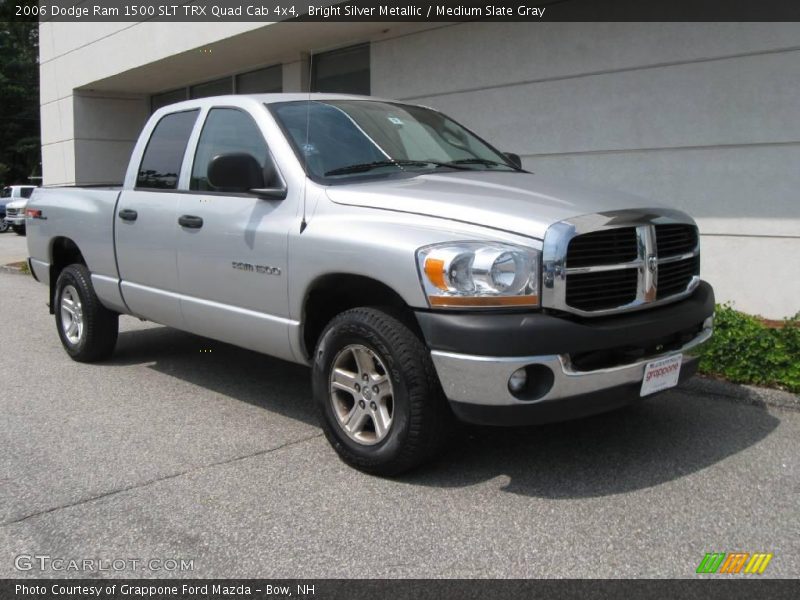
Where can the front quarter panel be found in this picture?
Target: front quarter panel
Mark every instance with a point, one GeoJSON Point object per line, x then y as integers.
{"type": "Point", "coordinates": [379, 244]}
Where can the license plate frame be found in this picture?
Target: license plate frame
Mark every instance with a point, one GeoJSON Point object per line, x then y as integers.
{"type": "Point", "coordinates": [661, 374]}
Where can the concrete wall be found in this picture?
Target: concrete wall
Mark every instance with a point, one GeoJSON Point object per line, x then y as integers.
{"type": "Point", "coordinates": [700, 116]}
{"type": "Point", "coordinates": [704, 117]}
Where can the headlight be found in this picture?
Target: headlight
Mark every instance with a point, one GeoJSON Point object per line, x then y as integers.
{"type": "Point", "coordinates": [479, 274]}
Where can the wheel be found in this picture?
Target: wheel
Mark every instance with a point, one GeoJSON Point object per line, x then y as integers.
{"type": "Point", "coordinates": [3, 226]}
{"type": "Point", "coordinates": [19, 229]}
{"type": "Point", "coordinates": [88, 330]}
{"type": "Point", "coordinates": [381, 405]}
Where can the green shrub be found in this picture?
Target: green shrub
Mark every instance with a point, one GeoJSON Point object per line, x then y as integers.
{"type": "Point", "coordinates": [745, 350]}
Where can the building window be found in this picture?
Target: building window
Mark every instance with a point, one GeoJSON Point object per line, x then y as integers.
{"type": "Point", "coordinates": [218, 87]}
{"type": "Point", "coordinates": [263, 81]}
{"type": "Point", "coordinates": [341, 71]}
{"type": "Point", "coordinates": [166, 98]}
{"type": "Point", "coordinates": [161, 163]}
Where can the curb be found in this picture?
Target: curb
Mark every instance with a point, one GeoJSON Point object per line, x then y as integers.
{"type": "Point", "coordinates": [742, 394]}
{"type": "Point", "coordinates": [15, 267]}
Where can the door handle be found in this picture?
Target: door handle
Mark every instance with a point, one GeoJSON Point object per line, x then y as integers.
{"type": "Point", "coordinates": [190, 221]}
{"type": "Point", "coordinates": [127, 214]}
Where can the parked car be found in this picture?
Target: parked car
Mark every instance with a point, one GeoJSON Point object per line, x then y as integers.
{"type": "Point", "coordinates": [421, 273]}
{"type": "Point", "coordinates": [15, 198]}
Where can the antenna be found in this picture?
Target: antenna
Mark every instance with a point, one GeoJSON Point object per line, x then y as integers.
{"type": "Point", "coordinates": [303, 222]}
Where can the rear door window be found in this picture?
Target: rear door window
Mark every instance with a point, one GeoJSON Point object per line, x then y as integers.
{"type": "Point", "coordinates": [163, 157]}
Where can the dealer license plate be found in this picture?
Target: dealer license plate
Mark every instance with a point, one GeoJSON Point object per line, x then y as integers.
{"type": "Point", "coordinates": [661, 374]}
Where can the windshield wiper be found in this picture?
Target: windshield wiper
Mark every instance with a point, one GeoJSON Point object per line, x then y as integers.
{"type": "Point", "coordinates": [481, 161]}
{"type": "Point", "coordinates": [363, 167]}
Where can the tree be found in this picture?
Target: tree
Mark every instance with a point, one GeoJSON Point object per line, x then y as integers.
{"type": "Point", "coordinates": [20, 145]}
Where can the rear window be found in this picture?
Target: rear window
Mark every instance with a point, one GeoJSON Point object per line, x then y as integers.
{"type": "Point", "coordinates": [161, 163]}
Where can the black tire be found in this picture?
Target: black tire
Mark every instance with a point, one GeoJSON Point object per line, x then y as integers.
{"type": "Point", "coordinates": [4, 226]}
{"type": "Point", "coordinates": [19, 229]}
{"type": "Point", "coordinates": [421, 421]}
{"type": "Point", "coordinates": [100, 326]}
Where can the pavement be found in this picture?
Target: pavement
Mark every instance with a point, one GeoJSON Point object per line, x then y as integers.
{"type": "Point", "coordinates": [13, 248]}
{"type": "Point", "coordinates": [184, 448]}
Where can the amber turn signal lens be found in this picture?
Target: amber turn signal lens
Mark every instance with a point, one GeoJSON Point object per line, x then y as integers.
{"type": "Point", "coordinates": [485, 301]}
{"type": "Point", "coordinates": [434, 269]}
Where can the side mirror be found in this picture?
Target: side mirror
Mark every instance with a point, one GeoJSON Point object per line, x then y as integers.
{"type": "Point", "coordinates": [239, 172]}
{"type": "Point", "coordinates": [514, 159]}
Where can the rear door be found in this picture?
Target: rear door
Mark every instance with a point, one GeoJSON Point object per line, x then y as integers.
{"type": "Point", "coordinates": [146, 223]}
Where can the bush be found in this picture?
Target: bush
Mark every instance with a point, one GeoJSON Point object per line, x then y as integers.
{"type": "Point", "coordinates": [745, 350]}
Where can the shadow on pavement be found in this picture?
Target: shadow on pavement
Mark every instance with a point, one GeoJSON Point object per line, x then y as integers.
{"type": "Point", "coordinates": [652, 442]}
{"type": "Point", "coordinates": [251, 377]}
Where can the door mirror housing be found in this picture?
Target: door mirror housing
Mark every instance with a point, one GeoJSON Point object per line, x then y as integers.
{"type": "Point", "coordinates": [514, 159]}
{"type": "Point", "coordinates": [239, 172]}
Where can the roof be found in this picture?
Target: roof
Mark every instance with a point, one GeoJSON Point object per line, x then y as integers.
{"type": "Point", "coordinates": [239, 99]}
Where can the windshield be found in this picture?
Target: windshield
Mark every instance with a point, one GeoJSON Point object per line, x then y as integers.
{"type": "Point", "coordinates": [341, 139]}
{"type": "Point", "coordinates": [6, 193]}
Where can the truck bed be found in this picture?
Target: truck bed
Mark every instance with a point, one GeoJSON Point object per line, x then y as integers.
{"type": "Point", "coordinates": [84, 215]}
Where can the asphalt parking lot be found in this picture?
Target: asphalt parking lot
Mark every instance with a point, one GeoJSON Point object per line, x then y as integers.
{"type": "Point", "coordinates": [184, 448]}
{"type": "Point", "coordinates": [13, 247]}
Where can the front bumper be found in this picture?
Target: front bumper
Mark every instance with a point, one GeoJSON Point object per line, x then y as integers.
{"type": "Point", "coordinates": [586, 366]}
{"type": "Point", "coordinates": [15, 221]}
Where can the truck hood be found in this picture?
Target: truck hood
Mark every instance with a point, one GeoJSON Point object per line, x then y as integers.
{"type": "Point", "coordinates": [17, 203]}
{"type": "Point", "coordinates": [521, 203]}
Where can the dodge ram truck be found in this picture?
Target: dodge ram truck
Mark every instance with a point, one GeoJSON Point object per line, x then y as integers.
{"type": "Point", "coordinates": [422, 274]}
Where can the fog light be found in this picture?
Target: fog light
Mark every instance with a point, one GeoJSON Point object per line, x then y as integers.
{"type": "Point", "coordinates": [531, 382]}
{"type": "Point", "coordinates": [518, 381]}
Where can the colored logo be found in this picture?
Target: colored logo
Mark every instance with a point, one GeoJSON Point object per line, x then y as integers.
{"type": "Point", "coordinates": [734, 562]}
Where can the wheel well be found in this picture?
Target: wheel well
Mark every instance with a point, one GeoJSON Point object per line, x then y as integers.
{"type": "Point", "coordinates": [64, 252]}
{"type": "Point", "coordinates": [334, 294]}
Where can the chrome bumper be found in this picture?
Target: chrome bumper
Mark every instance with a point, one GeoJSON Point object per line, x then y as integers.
{"type": "Point", "coordinates": [483, 380]}
{"type": "Point", "coordinates": [15, 220]}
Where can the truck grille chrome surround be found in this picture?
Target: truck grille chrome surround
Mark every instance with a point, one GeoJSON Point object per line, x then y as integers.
{"type": "Point", "coordinates": [620, 261]}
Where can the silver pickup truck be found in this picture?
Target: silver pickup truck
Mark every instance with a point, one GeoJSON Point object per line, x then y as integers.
{"type": "Point", "coordinates": [422, 274]}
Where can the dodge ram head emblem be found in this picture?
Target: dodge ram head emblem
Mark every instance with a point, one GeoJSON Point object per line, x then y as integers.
{"type": "Point", "coordinates": [652, 263]}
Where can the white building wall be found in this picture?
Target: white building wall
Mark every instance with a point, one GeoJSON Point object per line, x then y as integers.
{"type": "Point", "coordinates": [703, 117]}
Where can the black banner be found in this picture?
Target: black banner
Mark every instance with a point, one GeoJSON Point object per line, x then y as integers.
{"type": "Point", "coordinates": [403, 10]}
{"type": "Point", "coordinates": [727, 587]}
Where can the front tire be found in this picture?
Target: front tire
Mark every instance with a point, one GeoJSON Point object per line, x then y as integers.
{"type": "Point", "coordinates": [88, 330]}
{"type": "Point", "coordinates": [381, 405]}
{"type": "Point", "coordinates": [19, 229]}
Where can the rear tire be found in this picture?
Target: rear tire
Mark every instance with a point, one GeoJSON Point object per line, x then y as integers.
{"type": "Point", "coordinates": [4, 226]}
{"type": "Point", "coordinates": [377, 392]}
{"type": "Point", "coordinates": [87, 329]}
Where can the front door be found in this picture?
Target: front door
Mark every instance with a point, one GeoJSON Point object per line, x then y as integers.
{"type": "Point", "coordinates": [232, 246]}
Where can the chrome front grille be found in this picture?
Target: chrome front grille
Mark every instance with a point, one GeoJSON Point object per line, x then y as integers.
{"type": "Point", "coordinates": [607, 247]}
{"type": "Point", "coordinates": [675, 239]}
{"type": "Point", "coordinates": [11, 212]}
{"type": "Point", "coordinates": [615, 262]}
{"type": "Point", "coordinates": [675, 277]}
{"type": "Point", "coordinates": [603, 290]}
